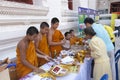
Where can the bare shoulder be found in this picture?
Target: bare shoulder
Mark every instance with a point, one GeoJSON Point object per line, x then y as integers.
{"type": "Point", "coordinates": [21, 44]}
{"type": "Point", "coordinates": [50, 32]}
{"type": "Point", "coordinates": [38, 38]}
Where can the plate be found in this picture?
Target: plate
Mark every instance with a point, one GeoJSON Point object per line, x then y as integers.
{"type": "Point", "coordinates": [70, 63]}
{"type": "Point", "coordinates": [47, 75]}
{"type": "Point", "coordinates": [67, 60]}
{"type": "Point", "coordinates": [59, 70]}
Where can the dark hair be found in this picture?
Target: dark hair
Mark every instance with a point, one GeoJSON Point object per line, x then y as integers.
{"type": "Point", "coordinates": [71, 30]}
{"type": "Point", "coordinates": [66, 33]}
{"type": "Point", "coordinates": [54, 20]}
{"type": "Point", "coordinates": [44, 24]}
{"type": "Point", "coordinates": [89, 31]}
{"type": "Point", "coordinates": [88, 20]}
{"type": "Point", "coordinates": [32, 30]}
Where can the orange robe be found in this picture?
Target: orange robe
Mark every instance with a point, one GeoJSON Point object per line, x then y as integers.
{"type": "Point", "coordinates": [43, 47]}
{"type": "Point", "coordinates": [31, 57]}
{"type": "Point", "coordinates": [56, 37]}
{"type": "Point", "coordinates": [73, 40]}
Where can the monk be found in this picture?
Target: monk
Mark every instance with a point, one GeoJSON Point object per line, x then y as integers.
{"type": "Point", "coordinates": [26, 54]}
{"type": "Point", "coordinates": [55, 38]}
{"type": "Point", "coordinates": [41, 43]}
{"type": "Point", "coordinates": [73, 38]}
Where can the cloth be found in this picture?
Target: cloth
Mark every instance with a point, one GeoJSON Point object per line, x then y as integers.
{"type": "Point", "coordinates": [56, 37]}
{"type": "Point", "coordinates": [112, 63]}
{"type": "Point", "coordinates": [102, 63]}
{"type": "Point", "coordinates": [67, 44]}
{"type": "Point", "coordinates": [43, 47]}
{"type": "Point", "coordinates": [83, 74]}
{"type": "Point", "coordinates": [31, 57]}
{"type": "Point", "coordinates": [73, 40]}
{"type": "Point", "coordinates": [102, 33]}
{"type": "Point", "coordinates": [110, 32]}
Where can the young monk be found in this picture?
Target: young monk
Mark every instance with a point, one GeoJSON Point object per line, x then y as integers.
{"type": "Point", "coordinates": [98, 52]}
{"type": "Point", "coordinates": [26, 54]}
{"type": "Point", "coordinates": [73, 38]}
{"type": "Point", "coordinates": [41, 43]}
{"type": "Point", "coordinates": [67, 45]}
{"type": "Point", "coordinates": [55, 38]}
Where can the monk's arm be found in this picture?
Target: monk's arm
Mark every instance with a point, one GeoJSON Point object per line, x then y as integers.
{"type": "Point", "coordinates": [65, 48]}
{"type": "Point", "coordinates": [51, 42]}
{"type": "Point", "coordinates": [36, 46]}
{"type": "Point", "coordinates": [22, 49]}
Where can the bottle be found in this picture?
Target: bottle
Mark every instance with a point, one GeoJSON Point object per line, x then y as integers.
{"type": "Point", "coordinates": [55, 54]}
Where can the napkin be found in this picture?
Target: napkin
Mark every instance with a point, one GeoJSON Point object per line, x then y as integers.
{"type": "Point", "coordinates": [67, 59]}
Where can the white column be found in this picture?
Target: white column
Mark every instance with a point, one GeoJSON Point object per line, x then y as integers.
{"type": "Point", "coordinates": [55, 8]}
{"type": "Point", "coordinates": [84, 3]}
{"type": "Point", "coordinates": [76, 4]}
{"type": "Point", "coordinates": [92, 4]}
{"type": "Point", "coordinates": [64, 4]}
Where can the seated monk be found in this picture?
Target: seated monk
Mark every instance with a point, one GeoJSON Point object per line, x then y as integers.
{"type": "Point", "coordinates": [41, 43]}
{"type": "Point", "coordinates": [67, 45]}
{"type": "Point", "coordinates": [26, 54]}
{"type": "Point", "coordinates": [55, 38]}
{"type": "Point", "coordinates": [73, 38]}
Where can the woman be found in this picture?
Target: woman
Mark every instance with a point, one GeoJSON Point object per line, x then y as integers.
{"type": "Point", "coordinates": [99, 53]}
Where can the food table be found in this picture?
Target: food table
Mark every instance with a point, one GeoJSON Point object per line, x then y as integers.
{"type": "Point", "coordinates": [82, 73]}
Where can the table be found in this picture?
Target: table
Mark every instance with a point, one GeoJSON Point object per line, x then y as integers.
{"type": "Point", "coordinates": [83, 74]}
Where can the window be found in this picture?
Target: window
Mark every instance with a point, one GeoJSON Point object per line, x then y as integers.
{"type": "Point", "coordinates": [70, 4]}
{"type": "Point", "coordinates": [23, 1]}
{"type": "Point", "coordinates": [115, 7]}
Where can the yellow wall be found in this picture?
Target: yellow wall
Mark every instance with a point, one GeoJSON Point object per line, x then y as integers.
{"type": "Point", "coordinates": [113, 17]}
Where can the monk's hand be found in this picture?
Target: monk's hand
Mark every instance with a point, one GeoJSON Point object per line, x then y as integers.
{"type": "Point", "coordinates": [41, 71]}
{"type": "Point", "coordinates": [47, 58]}
{"type": "Point", "coordinates": [50, 58]}
{"type": "Point", "coordinates": [63, 42]}
{"type": "Point", "coordinates": [37, 70]}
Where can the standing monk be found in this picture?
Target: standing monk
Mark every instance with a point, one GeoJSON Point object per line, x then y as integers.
{"type": "Point", "coordinates": [41, 43]}
{"type": "Point", "coordinates": [55, 38]}
{"type": "Point", "coordinates": [26, 54]}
